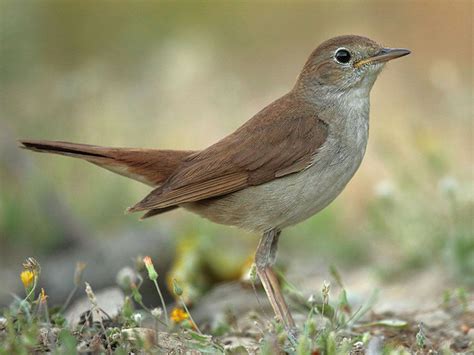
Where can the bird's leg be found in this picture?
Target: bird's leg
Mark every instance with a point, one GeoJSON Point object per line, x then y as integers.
{"type": "Point", "coordinates": [274, 281]}
{"type": "Point", "coordinates": [264, 259]}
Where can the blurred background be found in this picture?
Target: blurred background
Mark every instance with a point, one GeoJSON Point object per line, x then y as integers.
{"type": "Point", "coordinates": [181, 75]}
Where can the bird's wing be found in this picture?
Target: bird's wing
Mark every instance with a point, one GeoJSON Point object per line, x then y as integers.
{"type": "Point", "coordinates": [281, 139]}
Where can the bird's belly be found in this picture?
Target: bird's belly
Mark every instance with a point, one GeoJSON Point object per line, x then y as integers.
{"type": "Point", "coordinates": [287, 200]}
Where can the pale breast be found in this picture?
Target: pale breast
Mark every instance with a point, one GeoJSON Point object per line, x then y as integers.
{"type": "Point", "coordinates": [292, 199]}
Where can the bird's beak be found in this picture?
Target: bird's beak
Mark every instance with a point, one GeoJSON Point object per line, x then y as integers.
{"type": "Point", "coordinates": [384, 55]}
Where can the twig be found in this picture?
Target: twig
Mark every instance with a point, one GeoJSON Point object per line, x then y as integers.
{"type": "Point", "coordinates": [190, 316]}
{"type": "Point", "coordinates": [162, 301]}
{"type": "Point", "coordinates": [95, 307]}
{"type": "Point", "coordinates": [69, 298]}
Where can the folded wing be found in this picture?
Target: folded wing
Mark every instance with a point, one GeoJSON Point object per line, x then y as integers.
{"type": "Point", "coordinates": [281, 139]}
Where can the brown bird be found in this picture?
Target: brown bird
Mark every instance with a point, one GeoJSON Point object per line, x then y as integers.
{"type": "Point", "coordinates": [282, 166]}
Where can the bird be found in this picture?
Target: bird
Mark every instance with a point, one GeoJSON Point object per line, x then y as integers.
{"type": "Point", "coordinates": [285, 164]}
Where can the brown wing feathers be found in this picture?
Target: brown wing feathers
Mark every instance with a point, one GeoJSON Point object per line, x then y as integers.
{"type": "Point", "coordinates": [194, 192]}
{"type": "Point", "coordinates": [274, 143]}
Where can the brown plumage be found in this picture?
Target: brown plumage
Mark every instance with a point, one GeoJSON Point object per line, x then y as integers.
{"type": "Point", "coordinates": [263, 149]}
{"type": "Point", "coordinates": [149, 166]}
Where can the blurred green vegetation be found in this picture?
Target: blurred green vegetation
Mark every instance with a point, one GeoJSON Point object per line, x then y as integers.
{"type": "Point", "coordinates": [183, 74]}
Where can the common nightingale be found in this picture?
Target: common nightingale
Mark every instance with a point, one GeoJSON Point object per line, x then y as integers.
{"type": "Point", "coordinates": [282, 166]}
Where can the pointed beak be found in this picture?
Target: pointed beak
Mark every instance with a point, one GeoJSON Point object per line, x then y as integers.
{"type": "Point", "coordinates": [384, 55]}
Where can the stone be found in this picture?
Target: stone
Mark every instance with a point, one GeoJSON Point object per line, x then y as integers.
{"type": "Point", "coordinates": [433, 319]}
{"type": "Point", "coordinates": [110, 300]}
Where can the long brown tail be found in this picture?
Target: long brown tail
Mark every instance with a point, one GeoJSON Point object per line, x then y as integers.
{"type": "Point", "coordinates": [149, 166]}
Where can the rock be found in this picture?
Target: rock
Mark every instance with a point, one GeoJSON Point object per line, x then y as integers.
{"type": "Point", "coordinates": [239, 345]}
{"type": "Point", "coordinates": [433, 319]}
{"type": "Point", "coordinates": [375, 346]}
{"type": "Point", "coordinates": [110, 300]}
{"type": "Point", "coordinates": [229, 297]}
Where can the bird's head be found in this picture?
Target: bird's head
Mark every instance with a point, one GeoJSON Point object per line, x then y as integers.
{"type": "Point", "coordinates": [344, 63]}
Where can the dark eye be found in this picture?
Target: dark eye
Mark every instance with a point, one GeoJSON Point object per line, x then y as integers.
{"type": "Point", "coordinates": [343, 56]}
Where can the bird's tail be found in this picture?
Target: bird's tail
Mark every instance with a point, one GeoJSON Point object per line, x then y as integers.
{"type": "Point", "coordinates": [149, 166]}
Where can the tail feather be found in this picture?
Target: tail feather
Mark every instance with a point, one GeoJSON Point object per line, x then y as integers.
{"type": "Point", "coordinates": [157, 211]}
{"type": "Point", "coordinates": [149, 166]}
{"type": "Point", "coordinates": [64, 148]}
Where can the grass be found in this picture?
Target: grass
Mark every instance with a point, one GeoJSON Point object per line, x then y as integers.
{"type": "Point", "coordinates": [332, 325]}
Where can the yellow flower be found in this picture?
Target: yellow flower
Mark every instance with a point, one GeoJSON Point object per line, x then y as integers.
{"type": "Point", "coordinates": [27, 277]}
{"type": "Point", "coordinates": [178, 315]}
{"type": "Point", "coordinates": [43, 296]}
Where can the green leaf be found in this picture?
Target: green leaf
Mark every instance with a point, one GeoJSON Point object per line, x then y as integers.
{"type": "Point", "coordinates": [68, 342]}
{"type": "Point", "coordinates": [326, 310]}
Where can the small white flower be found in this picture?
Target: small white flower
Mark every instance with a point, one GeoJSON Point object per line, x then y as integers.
{"type": "Point", "coordinates": [156, 312]}
{"type": "Point", "coordinates": [312, 299]}
{"type": "Point", "coordinates": [137, 318]}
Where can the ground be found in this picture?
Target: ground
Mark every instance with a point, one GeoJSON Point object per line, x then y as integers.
{"type": "Point", "coordinates": [234, 317]}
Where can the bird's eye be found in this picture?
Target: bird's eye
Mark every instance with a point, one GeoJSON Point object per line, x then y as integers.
{"type": "Point", "coordinates": [342, 56]}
